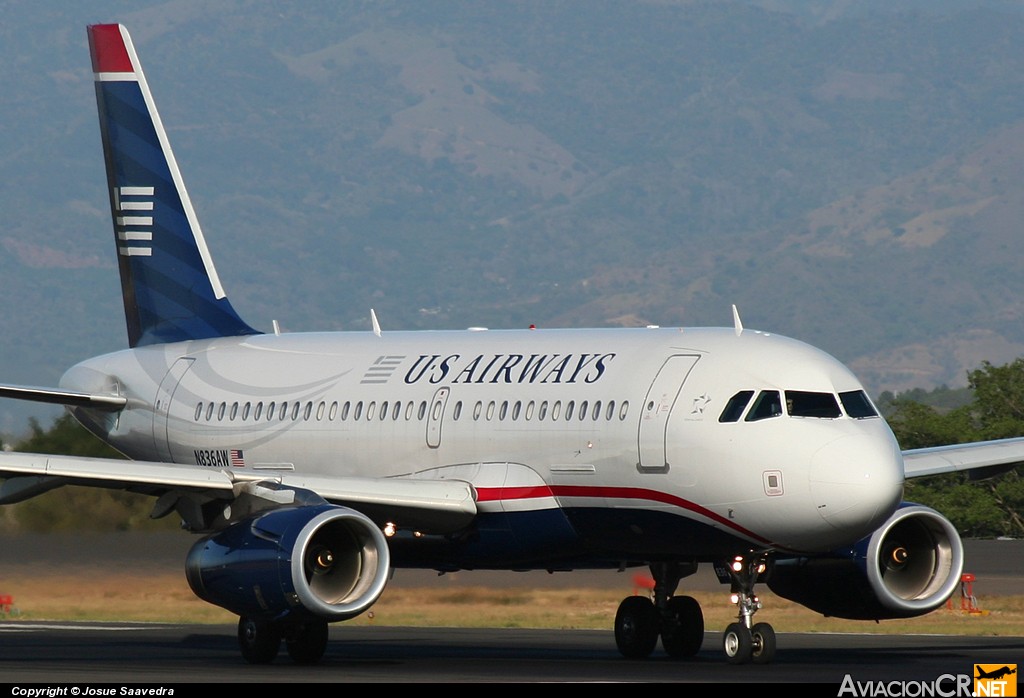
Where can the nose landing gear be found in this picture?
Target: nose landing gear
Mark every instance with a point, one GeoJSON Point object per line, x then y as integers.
{"type": "Point", "coordinates": [745, 641]}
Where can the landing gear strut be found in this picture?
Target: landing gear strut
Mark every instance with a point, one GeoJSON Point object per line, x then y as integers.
{"type": "Point", "coordinates": [260, 640]}
{"type": "Point", "coordinates": [677, 619]}
{"type": "Point", "coordinates": [745, 641]}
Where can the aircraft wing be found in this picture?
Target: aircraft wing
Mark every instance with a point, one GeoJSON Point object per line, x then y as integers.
{"type": "Point", "coordinates": [71, 398]}
{"type": "Point", "coordinates": [982, 458]}
{"type": "Point", "coordinates": [430, 505]}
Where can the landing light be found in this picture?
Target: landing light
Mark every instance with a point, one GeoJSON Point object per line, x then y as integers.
{"type": "Point", "coordinates": [389, 529]}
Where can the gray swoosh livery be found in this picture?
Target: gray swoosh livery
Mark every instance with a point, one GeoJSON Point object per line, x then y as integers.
{"type": "Point", "coordinates": [312, 464]}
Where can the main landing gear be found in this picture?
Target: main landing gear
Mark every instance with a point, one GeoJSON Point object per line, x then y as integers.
{"type": "Point", "coordinates": [745, 641]}
{"type": "Point", "coordinates": [679, 622]}
{"type": "Point", "coordinates": [677, 619]}
{"type": "Point", "coordinates": [260, 640]}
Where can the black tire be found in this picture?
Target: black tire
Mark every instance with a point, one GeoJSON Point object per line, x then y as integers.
{"type": "Point", "coordinates": [308, 644]}
{"type": "Point", "coordinates": [737, 643]}
{"type": "Point", "coordinates": [258, 640]}
{"type": "Point", "coordinates": [763, 638]}
{"type": "Point", "coordinates": [682, 628]}
{"type": "Point", "coordinates": [636, 627]}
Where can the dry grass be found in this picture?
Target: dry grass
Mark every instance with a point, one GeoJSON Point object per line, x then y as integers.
{"type": "Point", "coordinates": [93, 594]}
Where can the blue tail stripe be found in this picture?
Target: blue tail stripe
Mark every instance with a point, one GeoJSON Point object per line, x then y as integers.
{"type": "Point", "coordinates": [168, 293]}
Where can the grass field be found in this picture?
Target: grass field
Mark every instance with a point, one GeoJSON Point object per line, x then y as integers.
{"type": "Point", "coordinates": [103, 594]}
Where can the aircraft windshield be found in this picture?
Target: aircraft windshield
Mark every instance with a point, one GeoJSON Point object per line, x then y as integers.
{"type": "Point", "coordinates": [804, 404]}
{"type": "Point", "coordinates": [799, 403]}
{"type": "Point", "coordinates": [857, 405]}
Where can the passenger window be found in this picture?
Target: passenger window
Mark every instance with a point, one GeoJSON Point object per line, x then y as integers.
{"type": "Point", "coordinates": [767, 405]}
{"type": "Point", "coordinates": [209, 412]}
{"type": "Point", "coordinates": [423, 410]}
{"type": "Point", "coordinates": [245, 411]}
{"type": "Point", "coordinates": [804, 404]}
{"type": "Point", "coordinates": [234, 411]}
{"type": "Point", "coordinates": [270, 410]}
{"type": "Point", "coordinates": [358, 412]}
{"type": "Point", "coordinates": [623, 410]}
{"type": "Point", "coordinates": [734, 408]}
{"type": "Point", "coordinates": [569, 409]}
{"type": "Point", "coordinates": [490, 410]}
{"type": "Point", "coordinates": [516, 409]}
{"type": "Point", "coordinates": [199, 411]}
{"type": "Point", "coordinates": [857, 405]}
{"type": "Point", "coordinates": [597, 411]}
{"type": "Point", "coordinates": [258, 412]}
{"type": "Point", "coordinates": [543, 411]}
{"type": "Point", "coordinates": [333, 414]}
{"type": "Point", "coordinates": [371, 410]}
{"type": "Point", "coordinates": [220, 411]}
{"type": "Point", "coordinates": [458, 410]}
{"type": "Point", "coordinates": [308, 412]}
{"type": "Point", "coordinates": [396, 411]}
{"type": "Point", "coordinates": [477, 408]}
{"type": "Point", "coordinates": [529, 410]}
{"type": "Point", "coordinates": [503, 411]}
{"type": "Point", "coordinates": [344, 410]}
{"type": "Point", "coordinates": [610, 411]}
{"type": "Point", "coordinates": [583, 410]}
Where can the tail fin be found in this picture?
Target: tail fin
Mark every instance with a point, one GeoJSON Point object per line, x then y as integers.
{"type": "Point", "coordinates": [170, 287]}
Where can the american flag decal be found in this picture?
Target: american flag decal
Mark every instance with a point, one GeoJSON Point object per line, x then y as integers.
{"type": "Point", "coordinates": [237, 460]}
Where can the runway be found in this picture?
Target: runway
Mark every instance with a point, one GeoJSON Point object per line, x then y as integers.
{"type": "Point", "coordinates": [112, 654]}
{"type": "Point", "coordinates": [115, 654]}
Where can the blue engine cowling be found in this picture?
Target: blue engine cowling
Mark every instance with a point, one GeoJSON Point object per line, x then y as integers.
{"type": "Point", "coordinates": [323, 561]}
{"type": "Point", "coordinates": [910, 566]}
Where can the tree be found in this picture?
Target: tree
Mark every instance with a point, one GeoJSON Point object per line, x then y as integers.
{"type": "Point", "coordinates": [78, 508]}
{"type": "Point", "coordinates": [978, 509]}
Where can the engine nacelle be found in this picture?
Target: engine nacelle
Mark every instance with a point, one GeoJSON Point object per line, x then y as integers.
{"type": "Point", "coordinates": [908, 567]}
{"type": "Point", "coordinates": [324, 561]}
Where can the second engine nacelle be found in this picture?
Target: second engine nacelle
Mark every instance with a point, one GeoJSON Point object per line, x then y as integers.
{"type": "Point", "coordinates": [323, 561]}
{"type": "Point", "coordinates": [908, 567]}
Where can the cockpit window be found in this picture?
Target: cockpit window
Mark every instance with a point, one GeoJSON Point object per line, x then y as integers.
{"type": "Point", "coordinates": [804, 404]}
{"type": "Point", "coordinates": [768, 404]}
{"type": "Point", "coordinates": [734, 408]}
{"type": "Point", "coordinates": [857, 405]}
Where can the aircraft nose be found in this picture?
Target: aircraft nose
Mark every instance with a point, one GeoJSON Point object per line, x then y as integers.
{"type": "Point", "coordinates": [856, 482]}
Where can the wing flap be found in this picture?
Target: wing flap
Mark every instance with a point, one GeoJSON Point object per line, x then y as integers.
{"type": "Point", "coordinates": [996, 456]}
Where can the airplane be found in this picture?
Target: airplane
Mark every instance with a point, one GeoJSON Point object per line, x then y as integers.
{"type": "Point", "coordinates": [312, 465]}
{"type": "Point", "coordinates": [996, 673]}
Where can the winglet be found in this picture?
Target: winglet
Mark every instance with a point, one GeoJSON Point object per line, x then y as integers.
{"type": "Point", "coordinates": [736, 322]}
{"type": "Point", "coordinates": [170, 287]}
{"type": "Point", "coordinates": [376, 325]}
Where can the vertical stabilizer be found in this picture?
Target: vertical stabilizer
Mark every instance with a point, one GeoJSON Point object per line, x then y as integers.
{"type": "Point", "coordinates": [171, 289]}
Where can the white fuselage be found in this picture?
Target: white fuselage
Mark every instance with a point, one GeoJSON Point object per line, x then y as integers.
{"type": "Point", "coordinates": [577, 420]}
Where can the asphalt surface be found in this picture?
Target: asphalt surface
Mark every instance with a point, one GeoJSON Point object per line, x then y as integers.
{"type": "Point", "coordinates": [104, 655]}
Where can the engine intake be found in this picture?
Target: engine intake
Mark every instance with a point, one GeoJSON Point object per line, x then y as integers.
{"type": "Point", "coordinates": [325, 561]}
{"type": "Point", "coordinates": [910, 566]}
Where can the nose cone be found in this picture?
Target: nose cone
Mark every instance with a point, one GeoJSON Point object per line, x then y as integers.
{"type": "Point", "coordinates": [856, 482]}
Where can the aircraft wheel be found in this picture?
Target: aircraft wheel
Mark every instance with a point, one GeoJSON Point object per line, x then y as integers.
{"type": "Point", "coordinates": [636, 627]}
{"type": "Point", "coordinates": [682, 631]}
{"type": "Point", "coordinates": [309, 643]}
{"type": "Point", "coordinates": [763, 640]}
{"type": "Point", "coordinates": [737, 643]}
{"type": "Point", "coordinates": [258, 640]}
